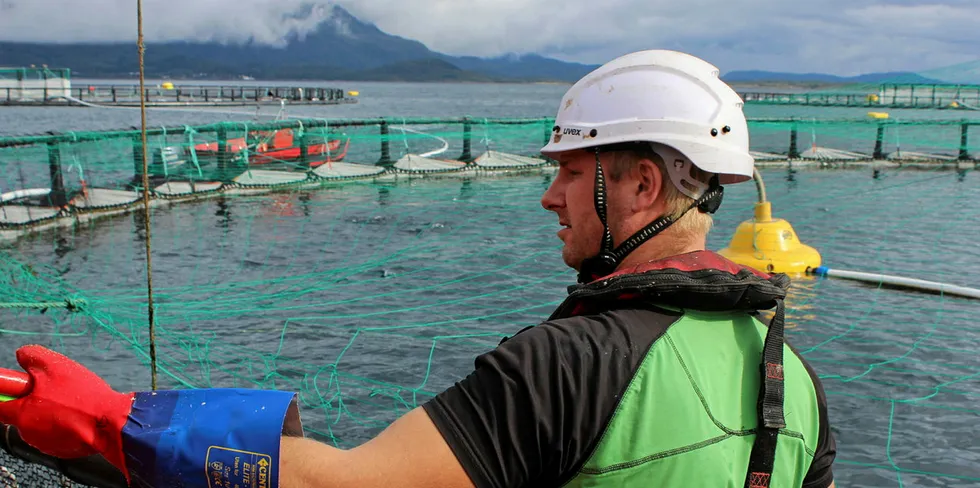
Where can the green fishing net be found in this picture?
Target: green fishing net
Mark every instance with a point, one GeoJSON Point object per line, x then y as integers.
{"type": "Point", "coordinates": [365, 264]}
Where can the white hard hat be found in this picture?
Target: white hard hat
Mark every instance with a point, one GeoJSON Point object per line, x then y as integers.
{"type": "Point", "coordinates": [663, 97]}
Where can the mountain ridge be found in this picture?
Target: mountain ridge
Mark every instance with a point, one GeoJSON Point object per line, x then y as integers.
{"type": "Point", "coordinates": [343, 48]}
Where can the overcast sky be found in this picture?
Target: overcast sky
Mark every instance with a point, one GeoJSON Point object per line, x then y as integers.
{"type": "Point", "coordinates": [837, 36]}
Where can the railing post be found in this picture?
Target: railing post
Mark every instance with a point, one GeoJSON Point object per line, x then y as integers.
{"type": "Point", "coordinates": [224, 156]}
{"type": "Point", "coordinates": [467, 155]}
{"type": "Point", "coordinates": [964, 141]}
{"type": "Point", "coordinates": [58, 197]}
{"type": "Point", "coordinates": [385, 146]}
{"type": "Point", "coordinates": [304, 150]}
{"type": "Point", "coordinates": [794, 153]}
{"type": "Point", "coordinates": [879, 141]}
{"type": "Point", "coordinates": [138, 160]}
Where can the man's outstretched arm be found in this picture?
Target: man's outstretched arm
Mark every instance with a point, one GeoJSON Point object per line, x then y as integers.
{"type": "Point", "coordinates": [410, 453]}
{"type": "Point", "coordinates": [198, 437]}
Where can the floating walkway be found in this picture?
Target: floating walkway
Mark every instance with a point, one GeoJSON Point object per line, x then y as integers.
{"type": "Point", "coordinates": [885, 95]}
{"type": "Point", "coordinates": [18, 218]}
{"type": "Point", "coordinates": [853, 100]}
{"type": "Point", "coordinates": [48, 179]}
{"type": "Point", "coordinates": [417, 164]}
{"type": "Point", "coordinates": [174, 96]}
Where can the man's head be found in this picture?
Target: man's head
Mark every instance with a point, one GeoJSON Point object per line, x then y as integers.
{"type": "Point", "coordinates": [666, 133]}
{"type": "Point", "coordinates": [639, 190]}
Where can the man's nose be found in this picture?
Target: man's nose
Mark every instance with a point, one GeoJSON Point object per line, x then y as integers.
{"type": "Point", "coordinates": [554, 196]}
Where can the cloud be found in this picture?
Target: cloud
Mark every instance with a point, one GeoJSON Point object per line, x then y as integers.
{"type": "Point", "coordinates": [837, 36]}
{"type": "Point", "coordinates": [232, 21]}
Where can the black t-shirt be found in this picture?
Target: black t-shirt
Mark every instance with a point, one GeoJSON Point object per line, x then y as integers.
{"type": "Point", "coordinates": [535, 407]}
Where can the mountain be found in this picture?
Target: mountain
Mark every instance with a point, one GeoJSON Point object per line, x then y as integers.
{"type": "Point", "coordinates": [873, 78]}
{"type": "Point", "coordinates": [339, 48]}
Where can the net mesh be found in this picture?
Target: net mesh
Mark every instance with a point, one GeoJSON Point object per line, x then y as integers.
{"type": "Point", "coordinates": [368, 275]}
{"type": "Point", "coordinates": [34, 74]}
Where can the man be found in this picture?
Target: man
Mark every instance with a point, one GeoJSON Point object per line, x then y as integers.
{"type": "Point", "coordinates": [655, 371]}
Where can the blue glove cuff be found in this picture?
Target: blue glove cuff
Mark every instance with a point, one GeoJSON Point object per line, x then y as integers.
{"type": "Point", "coordinates": [208, 438]}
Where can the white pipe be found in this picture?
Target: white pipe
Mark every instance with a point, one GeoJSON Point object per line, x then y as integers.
{"type": "Point", "coordinates": [944, 288]}
{"type": "Point", "coordinates": [18, 194]}
{"type": "Point", "coordinates": [445, 144]}
{"type": "Point", "coordinates": [966, 106]}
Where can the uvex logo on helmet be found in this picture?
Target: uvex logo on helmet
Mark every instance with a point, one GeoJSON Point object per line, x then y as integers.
{"type": "Point", "coordinates": [572, 131]}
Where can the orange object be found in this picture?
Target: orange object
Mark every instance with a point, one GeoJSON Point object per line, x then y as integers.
{"type": "Point", "coordinates": [282, 139]}
{"type": "Point", "coordinates": [281, 148]}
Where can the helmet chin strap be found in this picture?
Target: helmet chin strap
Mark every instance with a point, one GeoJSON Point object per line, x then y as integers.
{"type": "Point", "coordinates": [608, 258]}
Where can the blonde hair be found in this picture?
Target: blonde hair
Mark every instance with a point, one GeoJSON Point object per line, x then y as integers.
{"type": "Point", "coordinates": [693, 223]}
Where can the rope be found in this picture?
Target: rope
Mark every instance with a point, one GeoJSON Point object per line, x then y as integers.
{"type": "Point", "coordinates": [163, 156]}
{"type": "Point", "coordinates": [486, 134]}
{"type": "Point", "coordinates": [146, 199]}
{"type": "Point", "coordinates": [193, 149]}
{"type": "Point", "coordinates": [244, 151]}
{"type": "Point", "coordinates": [70, 304]}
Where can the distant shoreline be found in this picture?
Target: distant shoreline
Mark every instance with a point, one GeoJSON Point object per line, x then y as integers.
{"type": "Point", "coordinates": [773, 84]}
{"type": "Point", "coordinates": [815, 85]}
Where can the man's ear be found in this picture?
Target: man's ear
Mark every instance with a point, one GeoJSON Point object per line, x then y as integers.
{"type": "Point", "coordinates": [649, 187]}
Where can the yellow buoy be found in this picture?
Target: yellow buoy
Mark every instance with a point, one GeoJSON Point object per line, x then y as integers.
{"type": "Point", "coordinates": [353, 93]}
{"type": "Point", "coordinates": [878, 115]}
{"type": "Point", "coordinates": [167, 85]}
{"type": "Point", "coordinates": [770, 245]}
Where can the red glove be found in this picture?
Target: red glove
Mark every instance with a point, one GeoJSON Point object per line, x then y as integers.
{"type": "Point", "coordinates": [69, 412]}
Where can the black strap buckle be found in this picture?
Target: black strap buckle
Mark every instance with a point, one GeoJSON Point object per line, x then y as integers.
{"type": "Point", "coordinates": [597, 266]}
{"type": "Point", "coordinates": [711, 200]}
